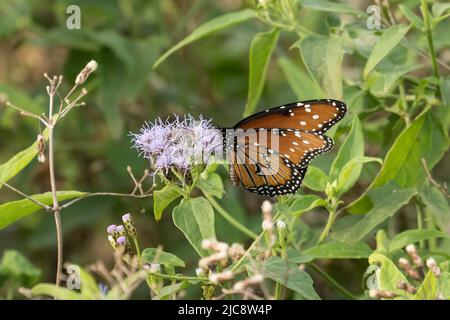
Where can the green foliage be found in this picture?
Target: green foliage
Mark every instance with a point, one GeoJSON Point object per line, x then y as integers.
{"type": "Point", "coordinates": [396, 89]}
{"type": "Point", "coordinates": [152, 255]}
{"type": "Point", "coordinates": [260, 51]}
{"type": "Point", "coordinates": [12, 211]}
{"type": "Point", "coordinates": [195, 218]}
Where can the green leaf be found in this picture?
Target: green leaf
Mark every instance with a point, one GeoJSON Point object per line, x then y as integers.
{"type": "Point", "coordinates": [411, 16]}
{"type": "Point", "coordinates": [352, 147]}
{"type": "Point", "coordinates": [18, 162]}
{"type": "Point", "coordinates": [60, 293]}
{"type": "Point", "coordinates": [152, 255]}
{"type": "Point", "coordinates": [351, 171]}
{"type": "Point", "coordinates": [315, 179]}
{"type": "Point", "coordinates": [195, 218]}
{"type": "Point", "coordinates": [392, 72]}
{"type": "Point", "coordinates": [18, 270]}
{"type": "Point", "coordinates": [438, 9]}
{"type": "Point", "coordinates": [339, 250]}
{"type": "Point", "coordinates": [89, 287]}
{"type": "Point", "coordinates": [259, 56]}
{"type": "Point", "coordinates": [444, 85]}
{"type": "Point", "coordinates": [424, 138]}
{"type": "Point", "coordinates": [330, 6]}
{"type": "Point", "coordinates": [437, 205]}
{"type": "Point", "coordinates": [388, 41]}
{"type": "Point", "coordinates": [444, 286]}
{"type": "Point", "coordinates": [288, 274]}
{"type": "Point", "coordinates": [322, 57]}
{"type": "Point", "coordinates": [388, 275]}
{"type": "Point", "coordinates": [168, 291]}
{"type": "Point", "coordinates": [300, 81]}
{"type": "Point", "coordinates": [386, 201]}
{"type": "Point", "coordinates": [293, 255]}
{"type": "Point", "coordinates": [401, 240]}
{"type": "Point", "coordinates": [12, 211]}
{"type": "Point", "coordinates": [211, 184]}
{"type": "Point", "coordinates": [162, 198]}
{"type": "Point", "coordinates": [214, 25]}
{"type": "Point", "coordinates": [428, 290]}
{"type": "Point", "coordinates": [304, 203]}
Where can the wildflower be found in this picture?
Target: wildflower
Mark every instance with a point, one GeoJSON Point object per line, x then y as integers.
{"type": "Point", "coordinates": [406, 286]}
{"type": "Point", "coordinates": [111, 229]}
{"type": "Point", "coordinates": [178, 145]}
{"type": "Point", "coordinates": [267, 225]}
{"type": "Point", "coordinates": [378, 293]}
{"type": "Point", "coordinates": [129, 225]}
{"type": "Point", "coordinates": [266, 207]}
{"type": "Point", "coordinates": [120, 231]}
{"type": "Point", "coordinates": [406, 266]}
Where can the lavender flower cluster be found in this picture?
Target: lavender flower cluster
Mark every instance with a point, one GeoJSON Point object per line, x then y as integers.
{"type": "Point", "coordinates": [180, 144]}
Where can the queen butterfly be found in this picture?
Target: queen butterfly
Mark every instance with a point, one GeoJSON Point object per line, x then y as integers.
{"type": "Point", "coordinates": [269, 152]}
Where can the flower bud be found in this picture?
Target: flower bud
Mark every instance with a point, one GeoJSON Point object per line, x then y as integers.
{"type": "Point", "coordinates": [120, 231]}
{"type": "Point", "coordinates": [266, 207]}
{"type": "Point", "coordinates": [90, 67]}
{"type": "Point", "coordinates": [281, 225]}
{"type": "Point", "coordinates": [217, 278]}
{"type": "Point", "coordinates": [112, 241]}
{"type": "Point", "coordinates": [129, 225]}
{"type": "Point", "coordinates": [267, 225]}
{"type": "Point", "coordinates": [111, 229]}
{"type": "Point", "coordinates": [200, 272]}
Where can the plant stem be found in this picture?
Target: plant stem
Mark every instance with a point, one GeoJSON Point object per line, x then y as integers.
{"type": "Point", "coordinates": [230, 218]}
{"type": "Point", "coordinates": [138, 251]}
{"type": "Point", "coordinates": [326, 230]}
{"type": "Point", "coordinates": [177, 277]}
{"type": "Point", "coordinates": [426, 20]}
{"type": "Point", "coordinates": [420, 222]}
{"type": "Point", "coordinates": [330, 281]}
{"type": "Point", "coordinates": [55, 207]}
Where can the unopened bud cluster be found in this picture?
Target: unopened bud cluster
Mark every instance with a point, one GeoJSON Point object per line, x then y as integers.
{"type": "Point", "coordinates": [118, 234]}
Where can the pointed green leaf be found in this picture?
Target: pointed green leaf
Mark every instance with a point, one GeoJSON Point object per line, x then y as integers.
{"type": "Point", "coordinates": [315, 179]}
{"type": "Point", "coordinates": [260, 52]}
{"type": "Point", "coordinates": [152, 255]}
{"type": "Point", "coordinates": [304, 203]}
{"type": "Point", "coordinates": [401, 240]}
{"type": "Point", "coordinates": [339, 250]}
{"type": "Point", "coordinates": [214, 25]}
{"type": "Point", "coordinates": [437, 205]}
{"type": "Point", "coordinates": [12, 211]}
{"type": "Point", "coordinates": [195, 218]}
{"type": "Point", "coordinates": [322, 57]}
{"type": "Point", "coordinates": [388, 41]}
{"type": "Point", "coordinates": [18, 162]}
{"type": "Point", "coordinates": [162, 198]}
{"type": "Point", "coordinates": [388, 276]}
{"type": "Point", "coordinates": [386, 201]}
{"type": "Point", "coordinates": [300, 81]}
{"type": "Point", "coordinates": [288, 274]}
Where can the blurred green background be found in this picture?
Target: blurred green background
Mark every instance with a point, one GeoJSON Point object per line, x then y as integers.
{"type": "Point", "coordinates": [93, 143]}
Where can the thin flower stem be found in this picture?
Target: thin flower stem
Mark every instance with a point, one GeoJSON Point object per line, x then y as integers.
{"type": "Point", "coordinates": [56, 209]}
{"type": "Point", "coordinates": [229, 218]}
{"type": "Point", "coordinates": [326, 230]}
{"type": "Point", "coordinates": [138, 251]}
{"type": "Point", "coordinates": [426, 20]}
{"type": "Point", "coordinates": [238, 264]}
{"type": "Point", "coordinates": [113, 194]}
{"type": "Point", "coordinates": [332, 282]}
{"type": "Point", "coordinates": [177, 277]}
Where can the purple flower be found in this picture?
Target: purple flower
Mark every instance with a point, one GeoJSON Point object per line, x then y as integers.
{"type": "Point", "coordinates": [111, 229]}
{"type": "Point", "coordinates": [126, 217]}
{"type": "Point", "coordinates": [180, 144]}
{"type": "Point", "coordinates": [122, 240]}
{"type": "Point", "coordinates": [120, 230]}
